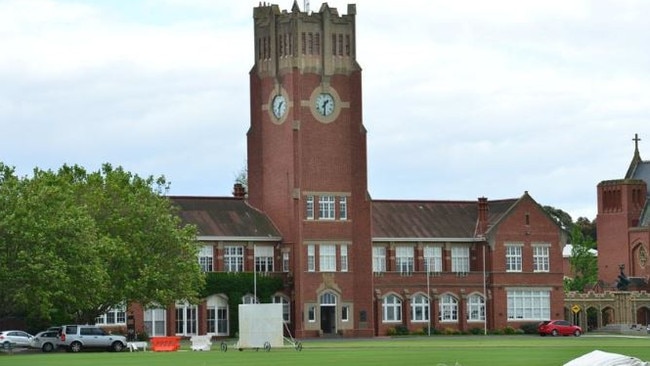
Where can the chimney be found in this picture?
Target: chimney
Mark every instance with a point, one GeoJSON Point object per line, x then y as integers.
{"type": "Point", "coordinates": [239, 191]}
{"type": "Point", "coordinates": [482, 224]}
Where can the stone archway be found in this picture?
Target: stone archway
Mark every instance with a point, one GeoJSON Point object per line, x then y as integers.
{"type": "Point", "coordinates": [609, 315]}
{"type": "Point", "coordinates": [643, 315]}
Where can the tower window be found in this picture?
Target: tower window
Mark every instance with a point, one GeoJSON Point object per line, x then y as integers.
{"type": "Point", "coordinates": [311, 43]}
{"type": "Point", "coordinates": [309, 209]}
{"type": "Point", "coordinates": [326, 208]}
{"type": "Point", "coordinates": [317, 43]}
{"type": "Point", "coordinates": [347, 45]}
{"type": "Point", "coordinates": [340, 45]}
{"type": "Point", "coordinates": [333, 44]}
{"type": "Point", "coordinates": [343, 208]}
{"type": "Point", "coordinates": [303, 37]}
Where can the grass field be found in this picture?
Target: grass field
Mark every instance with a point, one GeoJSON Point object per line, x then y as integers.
{"type": "Point", "coordinates": [436, 351]}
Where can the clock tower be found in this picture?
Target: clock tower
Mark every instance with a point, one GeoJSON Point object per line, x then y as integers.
{"type": "Point", "coordinates": [307, 165]}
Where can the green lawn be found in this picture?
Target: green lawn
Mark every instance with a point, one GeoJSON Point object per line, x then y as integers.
{"type": "Point", "coordinates": [436, 351]}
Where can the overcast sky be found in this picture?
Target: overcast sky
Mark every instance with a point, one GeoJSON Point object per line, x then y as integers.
{"type": "Point", "coordinates": [461, 99]}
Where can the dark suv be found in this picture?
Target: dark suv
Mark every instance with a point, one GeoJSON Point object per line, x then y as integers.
{"type": "Point", "coordinates": [76, 337]}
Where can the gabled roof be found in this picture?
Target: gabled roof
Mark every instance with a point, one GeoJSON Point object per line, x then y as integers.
{"type": "Point", "coordinates": [431, 220]}
{"type": "Point", "coordinates": [225, 218]}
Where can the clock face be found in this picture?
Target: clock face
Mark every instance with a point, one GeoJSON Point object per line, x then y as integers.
{"type": "Point", "coordinates": [324, 104]}
{"type": "Point", "coordinates": [279, 106]}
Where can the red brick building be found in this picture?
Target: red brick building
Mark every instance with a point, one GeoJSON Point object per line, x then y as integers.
{"type": "Point", "coordinates": [624, 223]}
{"type": "Point", "coordinates": [354, 266]}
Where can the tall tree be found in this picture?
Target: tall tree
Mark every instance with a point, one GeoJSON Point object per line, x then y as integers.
{"type": "Point", "coordinates": [75, 244]}
{"type": "Point", "coordinates": [584, 263]}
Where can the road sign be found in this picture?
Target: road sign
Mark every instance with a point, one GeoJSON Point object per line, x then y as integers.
{"type": "Point", "coordinates": [575, 309]}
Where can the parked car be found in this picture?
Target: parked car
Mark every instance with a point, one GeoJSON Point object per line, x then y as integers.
{"type": "Point", "coordinates": [15, 338]}
{"type": "Point", "coordinates": [74, 338]}
{"type": "Point", "coordinates": [558, 327]}
{"type": "Point", "coordinates": [47, 340]}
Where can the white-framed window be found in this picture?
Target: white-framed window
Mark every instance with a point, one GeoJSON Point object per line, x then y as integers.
{"type": "Point", "coordinates": [311, 258]}
{"type": "Point", "coordinates": [404, 259]}
{"type": "Point", "coordinates": [326, 207]}
{"type": "Point", "coordinates": [391, 309]}
{"type": "Point", "coordinates": [432, 259]}
{"type": "Point", "coordinates": [448, 307]}
{"type": "Point", "coordinates": [233, 258]}
{"type": "Point", "coordinates": [285, 262]}
{"type": "Point", "coordinates": [460, 259]}
{"type": "Point", "coordinates": [186, 319]}
{"type": "Point", "coordinates": [155, 321]}
{"type": "Point", "coordinates": [419, 308]}
{"type": "Point", "coordinates": [345, 313]}
{"type": "Point", "coordinates": [115, 315]}
{"type": "Point", "coordinates": [327, 255]}
{"type": "Point", "coordinates": [379, 259]}
{"type": "Point", "coordinates": [344, 258]}
{"type": "Point", "coordinates": [475, 308]}
{"type": "Point", "coordinates": [217, 315]}
{"type": "Point", "coordinates": [249, 299]}
{"type": "Point", "coordinates": [529, 304]}
{"type": "Point", "coordinates": [206, 258]}
{"type": "Point", "coordinates": [286, 307]}
{"type": "Point", "coordinates": [343, 208]}
{"type": "Point", "coordinates": [309, 207]}
{"type": "Point", "coordinates": [311, 314]}
{"type": "Point", "coordinates": [541, 258]}
{"type": "Point", "coordinates": [263, 258]}
{"type": "Point", "coordinates": [513, 258]}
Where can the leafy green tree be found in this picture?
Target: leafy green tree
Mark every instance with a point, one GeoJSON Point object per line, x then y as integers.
{"type": "Point", "coordinates": [584, 263]}
{"type": "Point", "coordinates": [74, 244]}
{"type": "Point", "coordinates": [587, 227]}
{"type": "Point", "coordinates": [560, 216]}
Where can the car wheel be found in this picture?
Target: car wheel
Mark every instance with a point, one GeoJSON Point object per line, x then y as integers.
{"type": "Point", "coordinates": [554, 333]}
{"type": "Point", "coordinates": [117, 346]}
{"type": "Point", "coordinates": [577, 333]}
{"type": "Point", "coordinates": [75, 347]}
{"type": "Point", "coordinates": [47, 347]}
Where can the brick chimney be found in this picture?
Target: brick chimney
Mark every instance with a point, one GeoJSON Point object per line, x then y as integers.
{"type": "Point", "coordinates": [482, 224]}
{"type": "Point", "coordinates": [239, 191]}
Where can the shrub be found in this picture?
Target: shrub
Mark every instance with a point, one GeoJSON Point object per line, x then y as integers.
{"type": "Point", "coordinates": [450, 331]}
{"type": "Point", "coordinates": [401, 330]}
{"type": "Point", "coordinates": [391, 331]}
{"type": "Point", "coordinates": [529, 328]}
{"type": "Point", "coordinates": [508, 330]}
{"type": "Point", "coordinates": [476, 331]}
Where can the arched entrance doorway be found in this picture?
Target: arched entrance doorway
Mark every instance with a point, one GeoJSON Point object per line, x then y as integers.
{"type": "Point", "coordinates": [328, 313]}
{"type": "Point", "coordinates": [643, 315]}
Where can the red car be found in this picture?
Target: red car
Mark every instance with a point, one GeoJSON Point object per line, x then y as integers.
{"type": "Point", "coordinates": [558, 327]}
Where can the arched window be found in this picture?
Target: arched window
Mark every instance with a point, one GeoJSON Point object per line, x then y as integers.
{"type": "Point", "coordinates": [217, 315]}
{"type": "Point", "coordinates": [475, 308]}
{"type": "Point", "coordinates": [186, 318]}
{"type": "Point", "coordinates": [249, 299]}
{"type": "Point", "coordinates": [419, 308]}
{"type": "Point", "coordinates": [392, 309]}
{"type": "Point", "coordinates": [328, 298]}
{"type": "Point", "coordinates": [286, 309]}
{"type": "Point", "coordinates": [448, 309]}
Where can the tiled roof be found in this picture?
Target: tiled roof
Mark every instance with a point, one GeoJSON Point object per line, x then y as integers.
{"type": "Point", "coordinates": [432, 219]}
{"type": "Point", "coordinates": [642, 171]}
{"type": "Point", "coordinates": [225, 217]}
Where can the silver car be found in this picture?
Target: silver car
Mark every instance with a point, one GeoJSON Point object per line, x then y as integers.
{"type": "Point", "coordinates": [47, 340]}
{"type": "Point", "coordinates": [77, 337]}
{"type": "Point", "coordinates": [15, 338]}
